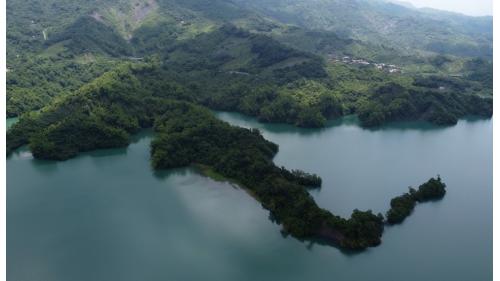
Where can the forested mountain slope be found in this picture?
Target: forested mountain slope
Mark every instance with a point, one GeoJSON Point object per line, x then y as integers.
{"type": "Point", "coordinates": [241, 56]}
{"type": "Point", "coordinates": [390, 24]}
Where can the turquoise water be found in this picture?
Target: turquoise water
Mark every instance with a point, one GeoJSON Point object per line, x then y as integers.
{"type": "Point", "coordinates": [11, 121]}
{"type": "Point", "coordinates": [106, 215]}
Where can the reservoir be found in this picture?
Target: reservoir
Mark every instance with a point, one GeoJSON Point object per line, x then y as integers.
{"type": "Point", "coordinates": [107, 216]}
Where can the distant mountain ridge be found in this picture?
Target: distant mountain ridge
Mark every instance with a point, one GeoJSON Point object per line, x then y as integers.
{"type": "Point", "coordinates": [390, 24]}
{"type": "Point", "coordinates": [402, 3]}
{"type": "Point", "coordinates": [376, 22]}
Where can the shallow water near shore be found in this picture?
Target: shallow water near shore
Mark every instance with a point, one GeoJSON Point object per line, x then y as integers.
{"type": "Point", "coordinates": [106, 215]}
{"type": "Point", "coordinates": [11, 121]}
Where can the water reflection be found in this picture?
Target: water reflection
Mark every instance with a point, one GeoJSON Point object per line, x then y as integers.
{"type": "Point", "coordinates": [345, 121]}
{"type": "Point", "coordinates": [164, 174]}
{"type": "Point", "coordinates": [114, 218]}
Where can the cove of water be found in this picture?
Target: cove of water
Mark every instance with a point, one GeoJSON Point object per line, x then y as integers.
{"type": "Point", "coordinates": [107, 216]}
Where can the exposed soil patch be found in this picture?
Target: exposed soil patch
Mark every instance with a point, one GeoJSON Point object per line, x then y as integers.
{"type": "Point", "coordinates": [142, 10]}
{"type": "Point", "coordinates": [97, 16]}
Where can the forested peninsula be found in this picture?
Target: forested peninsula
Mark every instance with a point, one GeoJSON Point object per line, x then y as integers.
{"type": "Point", "coordinates": [93, 83]}
{"type": "Point", "coordinates": [106, 112]}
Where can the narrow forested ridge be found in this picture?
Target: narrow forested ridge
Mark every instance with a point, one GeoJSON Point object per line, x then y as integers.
{"type": "Point", "coordinates": [402, 206]}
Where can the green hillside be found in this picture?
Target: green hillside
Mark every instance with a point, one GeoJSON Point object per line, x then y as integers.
{"type": "Point", "coordinates": [389, 24]}
{"type": "Point", "coordinates": [249, 59]}
{"type": "Point", "coordinates": [88, 35]}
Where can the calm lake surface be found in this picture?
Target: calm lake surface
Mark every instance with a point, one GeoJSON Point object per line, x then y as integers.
{"type": "Point", "coordinates": [107, 216]}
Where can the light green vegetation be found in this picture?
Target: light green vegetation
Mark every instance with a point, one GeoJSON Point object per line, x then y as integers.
{"type": "Point", "coordinates": [194, 38]}
{"type": "Point", "coordinates": [408, 30]}
{"type": "Point", "coordinates": [34, 81]}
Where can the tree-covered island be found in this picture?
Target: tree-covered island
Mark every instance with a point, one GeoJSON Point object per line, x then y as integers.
{"type": "Point", "coordinates": [402, 206]}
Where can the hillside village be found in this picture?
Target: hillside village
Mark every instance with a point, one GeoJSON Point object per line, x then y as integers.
{"type": "Point", "coordinates": [389, 68]}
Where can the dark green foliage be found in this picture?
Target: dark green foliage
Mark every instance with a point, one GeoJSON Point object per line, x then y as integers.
{"type": "Point", "coordinates": [479, 106]}
{"type": "Point", "coordinates": [26, 21]}
{"type": "Point", "coordinates": [150, 39]}
{"type": "Point", "coordinates": [101, 114]}
{"type": "Point", "coordinates": [95, 113]}
{"type": "Point", "coordinates": [285, 109]}
{"type": "Point", "coordinates": [433, 189]}
{"type": "Point", "coordinates": [270, 52]}
{"type": "Point", "coordinates": [18, 135]}
{"type": "Point", "coordinates": [402, 206]}
{"type": "Point", "coordinates": [440, 60]}
{"type": "Point", "coordinates": [314, 41]}
{"type": "Point", "coordinates": [87, 35]}
{"type": "Point", "coordinates": [440, 82]}
{"type": "Point", "coordinates": [192, 135]}
{"type": "Point", "coordinates": [371, 115]}
{"type": "Point", "coordinates": [257, 86]}
{"type": "Point", "coordinates": [310, 118]}
{"type": "Point", "coordinates": [362, 230]}
{"type": "Point", "coordinates": [229, 47]}
{"type": "Point", "coordinates": [302, 178]}
{"type": "Point", "coordinates": [480, 70]}
{"type": "Point", "coordinates": [441, 106]}
{"type": "Point", "coordinates": [390, 102]}
{"type": "Point", "coordinates": [34, 82]}
{"type": "Point", "coordinates": [66, 139]}
{"type": "Point", "coordinates": [124, 91]}
{"type": "Point", "coordinates": [440, 116]}
{"type": "Point", "coordinates": [312, 68]}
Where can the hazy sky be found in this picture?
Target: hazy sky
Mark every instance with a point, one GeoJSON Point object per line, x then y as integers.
{"type": "Point", "coordinates": [468, 7]}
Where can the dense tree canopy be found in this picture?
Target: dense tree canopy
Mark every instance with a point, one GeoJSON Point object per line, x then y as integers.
{"type": "Point", "coordinates": [402, 206]}
{"type": "Point", "coordinates": [436, 104]}
{"type": "Point", "coordinates": [191, 135]}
